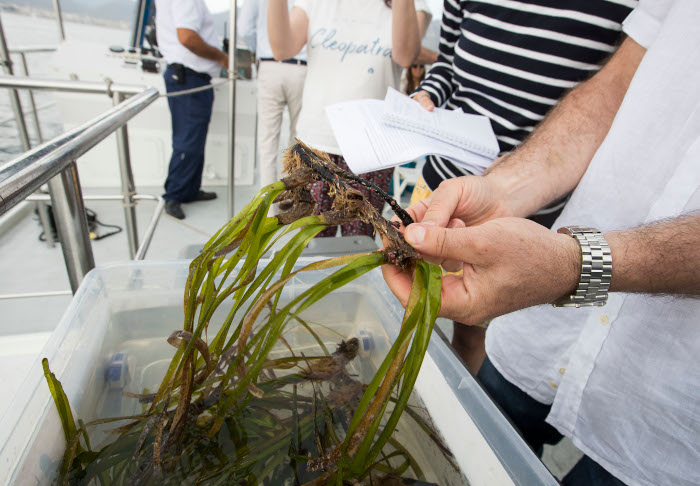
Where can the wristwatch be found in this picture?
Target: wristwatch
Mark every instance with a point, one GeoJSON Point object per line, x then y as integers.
{"type": "Point", "coordinates": [596, 268]}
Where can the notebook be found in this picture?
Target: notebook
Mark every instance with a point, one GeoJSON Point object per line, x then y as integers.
{"type": "Point", "coordinates": [369, 143]}
{"type": "Point", "coordinates": [469, 132]}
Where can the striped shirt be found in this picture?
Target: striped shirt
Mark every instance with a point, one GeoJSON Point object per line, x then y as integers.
{"type": "Point", "coordinates": [512, 61]}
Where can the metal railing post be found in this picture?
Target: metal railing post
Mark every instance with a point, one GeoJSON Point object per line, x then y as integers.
{"type": "Point", "coordinates": [32, 102]}
{"type": "Point", "coordinates": [231, 107]}
{"type": "Point", "coordinates": [59, 19]}
{"type": "Point", "coordinates": [14, 96]}
{"type": "Point", "coordinates": [71, 224]}
{"type": "Point", "coordinates": [42, 208]}
{"type": "Point", "coordinates": [127, 182]}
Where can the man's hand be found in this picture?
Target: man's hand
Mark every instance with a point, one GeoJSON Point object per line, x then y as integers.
{"type": "Point", "coordinates": [508, 264]}
{"type": "Point", "coordinates": [471, 199]}
{"type": "Point", "coordinates": [423, 98]}
{"type": "Point", "coordinates": [223, 61]}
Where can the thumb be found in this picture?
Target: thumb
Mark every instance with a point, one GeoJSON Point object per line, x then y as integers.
{"type": "Point", "coordinates": [440, 243]}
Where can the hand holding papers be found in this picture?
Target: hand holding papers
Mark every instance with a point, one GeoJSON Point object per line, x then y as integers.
{"type": "Point", "coordinates": [375, 134]}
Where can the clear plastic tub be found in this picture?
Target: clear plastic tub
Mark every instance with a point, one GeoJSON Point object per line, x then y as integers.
{"type": "Point", "coordinates": [112, 339]}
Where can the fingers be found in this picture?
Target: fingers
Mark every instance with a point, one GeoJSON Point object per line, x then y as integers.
{"type": "Point", "coordinates": [399, 282]}
{"type": "Point", "coordinates": [454, 265]}
{"type": "Point", "coordinates": [441, 244]}
{"type": "Point", "coordinates": [443, 203]}
{"type": "Point", "coordinates": [417, 210]}
{"type": "Point", "coordinates": [424, 99]}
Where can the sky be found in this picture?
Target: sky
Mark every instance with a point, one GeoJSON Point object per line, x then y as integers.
{"type": "Point", "coordinates": [216, 6]}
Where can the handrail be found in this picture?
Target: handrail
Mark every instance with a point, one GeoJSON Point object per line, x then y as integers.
{"type": "Point", "coordinates": [54, 162]}
{"type": "Point", "coordinates": [18, 82]}
{"type": "Point", "coordinates": [32, 49]}
{"type": "Point", "coordinates": [22, 176]}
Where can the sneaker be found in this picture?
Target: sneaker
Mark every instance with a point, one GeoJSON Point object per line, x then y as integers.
{"type": "Point", "coordinates": [174, 209]}
{"type": "Point", "coordinates": [203, 196]}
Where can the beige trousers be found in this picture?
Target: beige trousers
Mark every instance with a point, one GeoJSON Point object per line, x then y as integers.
{"type": "Point", "coordinates": [279, 85]}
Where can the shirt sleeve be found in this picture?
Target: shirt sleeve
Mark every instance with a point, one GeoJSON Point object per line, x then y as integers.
{"type": "Point", "coordinates": [438, 81]}
{"type": "Point", "coordinates": [186, 15]}
{"type": "Point", "coordinates": [306, 5]}
{"type": "Point", "coordinates": [421, 5]}
{"type": "Point", "coordinates": [247, 24]}
{"type": "Point", "coordinates": [644, 22]}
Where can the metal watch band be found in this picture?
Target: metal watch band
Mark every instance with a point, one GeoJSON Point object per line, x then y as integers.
{"type": "Point", "coordinates": [596, 268]}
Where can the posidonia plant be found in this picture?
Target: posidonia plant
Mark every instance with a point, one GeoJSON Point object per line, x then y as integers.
{"type": "Point", "coordinates": [226, 411]}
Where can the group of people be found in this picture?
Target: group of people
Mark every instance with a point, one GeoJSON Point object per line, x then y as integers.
{"type": "Point", "coordinates": [595, 108]}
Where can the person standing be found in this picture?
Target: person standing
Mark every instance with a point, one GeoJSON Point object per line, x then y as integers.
{"type": "Point", "coordinates": [280, 84]}
{"type": "Point", "coordinates": [622, 380]}
{"type": "Point", "coordinates": [355, 50]}
{"type": "Point", "coordinates": [512, 61]}
{"type": "Point", "coordinates": [186, 38]}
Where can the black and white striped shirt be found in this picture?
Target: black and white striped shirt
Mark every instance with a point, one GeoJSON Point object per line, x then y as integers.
{"type": "Point", "coordinates": [512, 61]}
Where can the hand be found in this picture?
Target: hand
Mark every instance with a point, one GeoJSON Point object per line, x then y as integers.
{"type": "Point", "coordinates": [460, 202]}
{"type": "Point", "coordinates": [424, 99]}
{"type": "Point", "coordinates": [508, 264]}
{"type": "Point", "coordinates": [223, 60]}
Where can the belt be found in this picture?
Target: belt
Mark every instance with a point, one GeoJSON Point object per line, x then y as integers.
{"type": "Point", "coordinates": [192, 72]}
{"type": "Point", "coordinates": [299, 62]}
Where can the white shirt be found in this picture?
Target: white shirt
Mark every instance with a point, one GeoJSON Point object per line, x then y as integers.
{"type": "Point", "coordinates": [185, 14]}
{"type": "Point", "coordinates": [349, 58]}
{"type": "Point", "coordinates": [252, 29]}
{"type": "Point", "coordinates": [624, 379]}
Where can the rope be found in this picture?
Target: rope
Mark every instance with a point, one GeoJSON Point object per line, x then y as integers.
{"type": "Point", "coordinates": [195, 90]}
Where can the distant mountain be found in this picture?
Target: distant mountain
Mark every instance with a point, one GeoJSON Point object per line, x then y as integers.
{"type": "Point", "coordinates": [117, 10]}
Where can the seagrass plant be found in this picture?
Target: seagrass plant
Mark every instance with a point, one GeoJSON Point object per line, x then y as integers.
{"type": "Point", "coordinates": [227, 411]}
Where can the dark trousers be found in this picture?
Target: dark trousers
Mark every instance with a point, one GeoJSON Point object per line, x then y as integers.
{"type": "Point", "coordinates": [190, 115]}
{"type": "Point", "coordinates": [528, 416]}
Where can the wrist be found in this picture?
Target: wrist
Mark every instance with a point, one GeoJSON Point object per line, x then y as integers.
{"type": "Point", "coordinates": [594, 268]}
{"type": "Point", "coordinates": [570, 257]}
{"type": "Point", "coordinates": [502, 188]}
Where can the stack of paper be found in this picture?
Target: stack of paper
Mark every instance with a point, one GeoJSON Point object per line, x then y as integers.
{"type": "Point", "coordinates": [375, 134]}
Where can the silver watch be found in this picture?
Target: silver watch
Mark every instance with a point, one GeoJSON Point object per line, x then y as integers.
{"type": "Point", "coordinates": [596, 268]}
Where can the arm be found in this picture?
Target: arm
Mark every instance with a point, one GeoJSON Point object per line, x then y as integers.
{"type": "Point", "coordinates": [192, 41]}
{"type": "Point", "coordinates": [247, 23]}
{"type": "Point", "coordinates": [660, 258]}
{"type": "Point", "coordinates": [512, 263]}
{"type": "Point", "coordinates": [426, 56]}
{"type": "Point", "coordinates": [286, 31]}
{"type": "Point", "coordinates": [552, 161]}
{"type": "Point", "coordinates": [406, 33]}
{"type": "Point", "coordinates": [436, 88]}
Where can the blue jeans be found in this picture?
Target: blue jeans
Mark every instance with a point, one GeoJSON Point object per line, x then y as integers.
{"type": "Point", "coordinates": [190, 115]}
{"type": "Point", "coordinates": [528, 417]}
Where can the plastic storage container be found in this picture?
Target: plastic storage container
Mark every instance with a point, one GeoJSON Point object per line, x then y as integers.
{"type": "Point", "coordinates": [112, 338]}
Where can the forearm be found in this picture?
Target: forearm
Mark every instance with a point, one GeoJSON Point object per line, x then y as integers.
{"type": "Point", "coordinates": [284, 41]}
{"type": "Point", "coordinates": [660, 258]}
{"type": "Point", "coordinates": [193, 42]}
{"type": "Point", "coordinates": [552, 161]}
{"type": "Point", "coordinates": [426, 56]}
{"type": "Point", "coordinates": [405, 33]}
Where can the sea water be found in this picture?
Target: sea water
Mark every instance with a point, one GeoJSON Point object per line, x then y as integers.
{"type": "Point", "coordinates": [135, 356]}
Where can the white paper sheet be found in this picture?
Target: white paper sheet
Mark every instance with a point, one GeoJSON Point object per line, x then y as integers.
{"type": "Point", "coordinates": [467, 131]}
{"type": "Point", "coordinates": [368, 144]}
